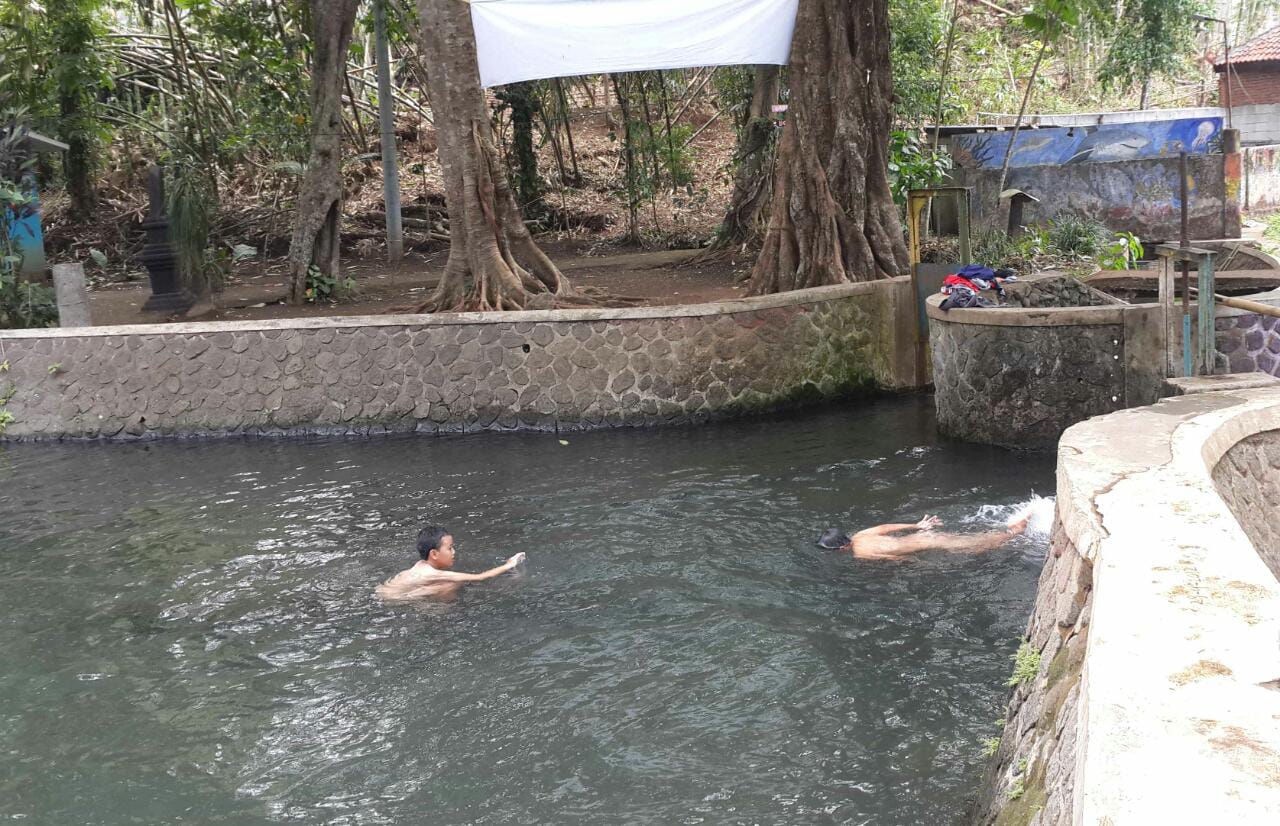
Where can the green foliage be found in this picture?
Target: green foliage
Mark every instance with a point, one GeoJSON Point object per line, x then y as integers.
{"type": "Point", "coordinates": [990, 746]}
{"type": "Point", "coordinates": [734, 86]}
{"type": "Point", "coordinates": [1026, 665]}
{"type": "Point", "coordinates": [912, 165]}
{"type": "Point", "coordinates": [6, 417]}
{"type": "Point", "coordinates": [522, 102]}
{"type": "Point", "coordinates": [917, 31]}
{"type": "Point", "coordinates": [22, 304]}
{"type": "Point", "coordinates": [192, 204]}
{"type": "Point", "coordinates": [322, 287]}
{"type": "Point", "coordinates": [1122, 253]}
{"type": "Point", "coordinates": [674, 154]}
{"type": "Point", "coordinates": [1075, 236]}
{"type": "Point", "coordinates": [1017, 788]}
{"type": "Point", "coordinates": [1049, 20]}
{"type": "Point", "coordinates": [1272, 232]}
{"type": "Point", "coordinates": [1149, 38]}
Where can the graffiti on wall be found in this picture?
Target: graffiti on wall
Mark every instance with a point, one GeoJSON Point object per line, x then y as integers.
{"type": "Point", "coordinates": [1060, 145]}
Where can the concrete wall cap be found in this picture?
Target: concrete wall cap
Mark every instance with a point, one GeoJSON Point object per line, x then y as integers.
{"type": "Point", "coordinates": [814, 295]}
{"type": "Point", "coordinates": [1177, 585]}
{"type": "Point", "coordinates": [1028, 316]}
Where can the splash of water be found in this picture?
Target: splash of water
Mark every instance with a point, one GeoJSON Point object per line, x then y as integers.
{"type": "Point", "coordinates": [1038, 510]}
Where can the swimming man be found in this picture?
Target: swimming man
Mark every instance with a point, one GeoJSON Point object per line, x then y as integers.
{"type": "Point", "coordinates": [895, 541]}
{"type": "Point", "coordinates": [432, 576]}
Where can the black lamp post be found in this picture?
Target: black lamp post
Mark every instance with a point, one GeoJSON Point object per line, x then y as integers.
{"type": "Point", "coordinates": [159, 256]}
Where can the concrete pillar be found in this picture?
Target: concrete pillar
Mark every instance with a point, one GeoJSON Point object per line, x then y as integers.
{"type": "Point", "coordinates": [73, 297]}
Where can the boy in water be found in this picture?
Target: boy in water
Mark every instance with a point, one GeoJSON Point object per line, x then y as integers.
{"type": "Point", "coordinates": [881, 542]}
{"type": "Point", "coordinates": [433, 575]}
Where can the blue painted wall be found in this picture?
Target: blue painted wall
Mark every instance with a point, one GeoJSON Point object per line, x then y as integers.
{"type": "Point", "coordinates": [1061, 145]}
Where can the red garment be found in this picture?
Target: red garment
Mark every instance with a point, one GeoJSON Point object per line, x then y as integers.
{"type": "Point", "coordinates": [953, 280]}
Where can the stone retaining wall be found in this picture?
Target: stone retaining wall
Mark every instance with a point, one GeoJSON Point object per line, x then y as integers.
{"type": "Point", "coordinates": [1249, 342]}
{"type": "Point", "coordinates": [1032, 776]}
{"type": "Point", "coordinates": [1057, 291]}
{"type": "Point", "coordinates": [550, 369]}
{"type": "Point", "coordinates": [1019, 377]}
{"type": "Point", "coordinates": [1248, 479]}
{"type": "Point", "coordinates": [1151, 659]}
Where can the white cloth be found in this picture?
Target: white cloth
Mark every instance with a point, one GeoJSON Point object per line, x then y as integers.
{"type": "Point", "coordinates": [531, 39]}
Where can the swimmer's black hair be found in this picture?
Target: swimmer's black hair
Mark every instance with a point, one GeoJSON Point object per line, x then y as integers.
{"type": "Point", "coordinates": [429, 539]}
{"type": "Point", "coordinates": [833, 539]}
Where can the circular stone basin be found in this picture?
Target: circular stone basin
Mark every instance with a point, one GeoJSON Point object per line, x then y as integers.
{"type": "Point", "coordinates": [1020, 376]}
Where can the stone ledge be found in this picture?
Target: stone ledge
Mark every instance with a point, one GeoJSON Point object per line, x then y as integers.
{"type": "Point", "coordinates": [571, 370]}
{"type": "Point", "coordinates": [1024, 317]}
{"type": "Point", "coordinates": [796, 298]}
{"type": "Point", "coordinates": [1188, 385]}
{"type": "Point", "coordinates": [1175, 722]}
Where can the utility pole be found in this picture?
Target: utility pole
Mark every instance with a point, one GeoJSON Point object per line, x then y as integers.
{"type": "Point", "coordinates": [387, 127]}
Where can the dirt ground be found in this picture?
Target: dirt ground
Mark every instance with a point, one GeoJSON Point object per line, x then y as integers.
{"type": "Point", "coordinates": [256, 292]}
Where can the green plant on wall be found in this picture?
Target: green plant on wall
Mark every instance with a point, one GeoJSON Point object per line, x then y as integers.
{"type": "Point", "coordinates": [1026, 665]}
{"type": "Point", "coordinates": [6, 417]}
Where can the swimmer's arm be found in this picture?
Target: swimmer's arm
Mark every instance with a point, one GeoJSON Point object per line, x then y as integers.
{"type": "Point", "coordinates": [926, 524]}
{"type": "Point", "coordinates": [455, 576]}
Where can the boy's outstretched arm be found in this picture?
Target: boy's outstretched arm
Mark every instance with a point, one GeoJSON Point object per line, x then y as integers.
{"type": "Point", "coordinates": [926, 524]}
{"type": "Point", "coordinates": [454, 576]}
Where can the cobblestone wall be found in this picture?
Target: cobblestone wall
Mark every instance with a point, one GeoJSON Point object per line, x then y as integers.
{"type": "Point", "coordinates": [1248, 479]}
{"type": "Point", "coordinates": [1032, 776]}
{"type": "Point", "coordinates": [1021, 386]}
{"type": "Point", "coordinates": [541, 369]}
{"type": "Point", "coordinates": [1063, 291]}
{"type": "Point", "coordinates": [1249, 343]}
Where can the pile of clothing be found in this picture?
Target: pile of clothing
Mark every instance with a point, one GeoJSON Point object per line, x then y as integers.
{"type": "Point", "coordinates": [964, 288]}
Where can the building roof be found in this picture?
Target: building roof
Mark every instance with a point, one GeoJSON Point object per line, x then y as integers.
{"type": "Point", "coordinates": [40, 143]}
{"type": "Point", "coordinates": [1265, 48]}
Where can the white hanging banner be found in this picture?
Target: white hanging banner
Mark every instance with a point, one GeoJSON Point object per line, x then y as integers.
{"type": "Point", "coordinates": [533, 39]}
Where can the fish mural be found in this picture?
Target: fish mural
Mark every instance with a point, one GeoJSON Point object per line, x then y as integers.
{"type": "Point", "coordinates": [1058, 145]}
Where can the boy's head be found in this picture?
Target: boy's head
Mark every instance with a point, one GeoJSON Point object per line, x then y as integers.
{"type": "Point", "coordinates": [435, 546]}
{"type": "Point", "coordinates": [833, 539]}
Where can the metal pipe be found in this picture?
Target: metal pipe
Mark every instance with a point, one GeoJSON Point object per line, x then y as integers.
{"type": "Point", "coordinates": [1184, 190]}
{"type": "Point", "coordinates": [1245, 304]}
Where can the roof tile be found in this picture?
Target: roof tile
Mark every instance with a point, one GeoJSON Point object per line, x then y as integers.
{"type": "Point", "coordinates": [1261, 49]}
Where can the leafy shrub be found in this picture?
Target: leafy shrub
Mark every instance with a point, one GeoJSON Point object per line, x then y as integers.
{"type": "Point", "coordinates": [912, 165]}
{"type": "Point", "coordinates": [1122, 253]}
{"type": "Point", "coordinates": [1076, 236]}
{"type": "Point", "coordinates": [322, 287]}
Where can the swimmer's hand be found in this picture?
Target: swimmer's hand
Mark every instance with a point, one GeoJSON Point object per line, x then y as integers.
{"type": "Point", "coordinates": [928, 523]}
{"type": "Point", "coordinates": [515, 560]}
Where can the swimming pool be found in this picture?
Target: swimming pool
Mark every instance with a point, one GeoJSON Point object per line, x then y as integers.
{"type": "Point", "coordinates": [190, 635]}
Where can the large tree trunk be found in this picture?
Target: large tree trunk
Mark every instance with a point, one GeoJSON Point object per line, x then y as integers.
{"type": "Point", "coordinates": [315, 229]}
{"type": "Point", "coordinates": [489, 246]}
{"type": "Point", "coordinates": [742, 220]}
{"type": "Point", "coordinates": [833, 218]}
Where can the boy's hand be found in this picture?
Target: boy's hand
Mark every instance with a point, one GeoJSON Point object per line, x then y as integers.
{"type": "Point", "coordinates": [928, 523]}
{"type": "Point", "coordinates": [515, 560]}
